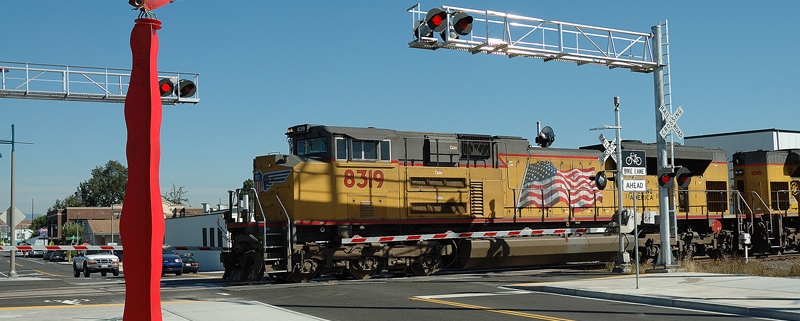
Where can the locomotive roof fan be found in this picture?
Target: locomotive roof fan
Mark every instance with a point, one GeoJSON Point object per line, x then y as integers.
{"type": "Point", "coordinates": [546, 137]}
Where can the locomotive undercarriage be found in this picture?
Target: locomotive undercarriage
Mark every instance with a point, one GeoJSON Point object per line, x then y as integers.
{"type": "Point", "coordinates": [769, 235]}
{"type": "Point", "coordinates": [317, 251]}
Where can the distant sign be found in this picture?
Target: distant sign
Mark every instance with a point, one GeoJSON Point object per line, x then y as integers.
{"type": "Point", "coordinates": [18, 216]}
{"type": "Point", "coordinates": [42, 232]}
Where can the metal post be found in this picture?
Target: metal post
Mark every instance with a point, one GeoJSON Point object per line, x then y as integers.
{"type": "Point", "coordinates": [621, 258]}
{"type": "Point", "coordinates": [636, 240]}
{"type": "Point", "coordinates": [665, 257]}
{"type": "Point", "coordinates": [12, 273]}
{"type": "Point", "coordinates": [112, 223]}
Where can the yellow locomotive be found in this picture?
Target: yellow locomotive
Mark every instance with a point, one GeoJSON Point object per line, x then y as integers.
{"type": "Point", "coordinates": [353, 202]}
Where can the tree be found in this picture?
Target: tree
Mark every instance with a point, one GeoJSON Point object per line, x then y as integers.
{"type": "Point", "coordinates": [176, 195]}
{"type": "Point", "coordinates": [71, 233]}
{"type": "Point", "coordinates": [106, 187]}
{"type": "Point", "coordinates": [70, 201]}
{"type": "Point", "coordinates": [38, 222]}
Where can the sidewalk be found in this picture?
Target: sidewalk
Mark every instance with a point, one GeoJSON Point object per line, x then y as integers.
{"type": "Point", "coordinates": [763, 297]}
{"type": "Point", "coordinates": [171, 311]}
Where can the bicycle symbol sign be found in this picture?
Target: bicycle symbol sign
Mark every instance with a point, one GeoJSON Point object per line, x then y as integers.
{"type": "Point", "coordinates": [635, 163]}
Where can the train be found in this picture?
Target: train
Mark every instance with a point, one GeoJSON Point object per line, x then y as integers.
{"type": "Point", "coordinates": [352, 202]}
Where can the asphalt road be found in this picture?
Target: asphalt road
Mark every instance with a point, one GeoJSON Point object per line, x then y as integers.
{"type": "Point", "coordinates": [482, 295]}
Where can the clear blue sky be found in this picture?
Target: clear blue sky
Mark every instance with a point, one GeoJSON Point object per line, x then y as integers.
{"type": "Point", "coordinates": [267, 65]}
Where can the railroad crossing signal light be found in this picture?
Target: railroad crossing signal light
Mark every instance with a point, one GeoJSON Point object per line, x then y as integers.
{"type": "Point", "coordinates": [683, 177]}
{"type": "Point", "coordinates": [462, 23]}
{"type": "Point", "coordinates": [186, 88]}
{"type": "Point", "coordinates": [436, 20]}
{"type": "Point", "coordinates": [600, 180]}
{"type": "Point", "coordinates": [166, 87]}
{"type": "Point", "coordinates": [665, 178]}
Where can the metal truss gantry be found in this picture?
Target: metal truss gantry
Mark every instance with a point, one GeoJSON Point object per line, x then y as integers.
{"type": "Point", "coordinates": [518, 36]}
{"type": "Point", "coordinates": [77, 83]}
{"type": "Point", "coordinates": [513, 35]}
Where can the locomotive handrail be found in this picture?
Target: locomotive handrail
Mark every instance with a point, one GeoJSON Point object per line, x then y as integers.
{"type": "Point", "coordinates": [264, 237]}
{"type": "Point", "coordinates": [289, 227]}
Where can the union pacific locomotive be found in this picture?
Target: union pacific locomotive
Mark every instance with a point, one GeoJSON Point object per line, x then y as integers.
{"type": "Point", "coordinates": [353, 202]}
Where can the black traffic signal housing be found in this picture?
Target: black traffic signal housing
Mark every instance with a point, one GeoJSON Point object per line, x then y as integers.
{"type": "Point", "coordinates": [462, 23]}
{"type": "Point", "coordinates": [437, 21]}
{"type": "Point", "coordinates": [166, 87]}
{"type": "Point", "coordinates": [683, 177]}
{"type": "Point", "coordinates": [665, 178]}
{"type": "Point", "coordinates": [186, 88]}
{"type": "Point", "coordinates": [601, 180]}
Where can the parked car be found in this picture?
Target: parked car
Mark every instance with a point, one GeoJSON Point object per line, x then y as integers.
{"type": "Point", "coordinates": [190, 265]}
{"type": "Point", "coordinates": [36, 253]}
{"type": "Point", "coordinates": [57, 256]}
{"type": "Point", "coordinates": [171, 263]}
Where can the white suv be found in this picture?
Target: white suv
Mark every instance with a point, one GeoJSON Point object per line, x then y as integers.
{"type": "Point", "coordinates": [95, 261]}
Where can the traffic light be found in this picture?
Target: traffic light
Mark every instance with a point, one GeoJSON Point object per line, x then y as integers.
{"type": "Point", "coordinates": [186, 88]}
{"type": "Point", "coordinates": [665, 176]}
{"type": "Point", "coordinates": [683, 177]}
{"type": "Point", "coordinates": [462, 23]}
{"type": "Point", "coordinates": [166, 87]}
{"type": "Point", "coordinates": [437, 21]}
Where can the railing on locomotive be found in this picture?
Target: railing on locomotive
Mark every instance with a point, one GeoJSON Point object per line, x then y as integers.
{"type": "Point", "coordinates": [727, 203]}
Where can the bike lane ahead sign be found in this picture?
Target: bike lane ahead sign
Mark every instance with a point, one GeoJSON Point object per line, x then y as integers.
{"type": "Point", "coordinates": [634, 163]}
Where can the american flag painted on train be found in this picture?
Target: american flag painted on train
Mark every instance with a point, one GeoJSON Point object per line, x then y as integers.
{"type": "Point", "coordinates": [544, 185]}
{"type": "Point", "coordinates": [262, 182]}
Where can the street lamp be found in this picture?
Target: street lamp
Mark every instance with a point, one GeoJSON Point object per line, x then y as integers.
{"type": "Point", "coordinates": [622, 260]}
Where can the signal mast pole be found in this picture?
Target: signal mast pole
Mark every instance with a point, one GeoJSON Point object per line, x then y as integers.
{"type": "Point", "coordinates": [665, 254]}
{"type": "Point", "coordinates": [500, 33]}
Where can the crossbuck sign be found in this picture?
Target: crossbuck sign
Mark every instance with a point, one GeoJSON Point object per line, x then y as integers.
{"type": "Point", "coordinates": [670, 122]}
{"type": "Point", "coordinates": [611, 148]}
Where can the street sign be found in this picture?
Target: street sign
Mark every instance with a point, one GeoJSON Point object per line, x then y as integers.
{"type": "Point", "coordinates": [634, 163]}
{"type": "Point", "coordinates": [18, 216]}
{"type": "Point", "coordinates": [634, 185]}
{"type": "Point", "coordinates": [611, 148]}
{"type": "Point", "coordinates": [670, 122]}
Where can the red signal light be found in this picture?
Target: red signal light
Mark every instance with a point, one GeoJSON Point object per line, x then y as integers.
{"type": "Point", "coordinates": [683, 176]}
{"type": "Point", "coordinates": [462, 23]}
{"type": "Point", "coordinates": [165, 86]}
{"type": "Point", "coordinates": [665, 176]}
{"type": "Point", "coordinates": [435, 19]}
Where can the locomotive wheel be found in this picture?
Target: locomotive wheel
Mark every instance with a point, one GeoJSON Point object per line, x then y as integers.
{"type": "Point", "coordinates": [364, 268]}
{"type": "Point", "coordinates": [426, 265]}
{"type": "Point", "coordinates": [303, 271]}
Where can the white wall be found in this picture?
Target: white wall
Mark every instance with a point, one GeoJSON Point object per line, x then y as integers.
{"type": "Point", "coordinates": [188, 231]}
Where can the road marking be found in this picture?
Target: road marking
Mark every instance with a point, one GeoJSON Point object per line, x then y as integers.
{"type": "Point", "coordinates": [51, 274]}
{"type": "Point", "coordinates": [469, 295]}
{"type": "Point", "coordinates": [487, 309]}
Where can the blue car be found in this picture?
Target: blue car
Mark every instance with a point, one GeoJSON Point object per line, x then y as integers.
{"type": "Point", "coordinates": [171, 263]}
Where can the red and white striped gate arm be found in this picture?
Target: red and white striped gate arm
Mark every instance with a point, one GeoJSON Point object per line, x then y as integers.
{"type": "Point", "coordinates": [467, 235]}
{"type": "Point", "coordinates": [61, 247]}
{"type": "Point", "coordinates": [101, 247]}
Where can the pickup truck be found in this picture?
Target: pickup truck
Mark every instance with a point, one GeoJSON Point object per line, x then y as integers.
{"type": "Point", "coordinates": [95, 261]}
